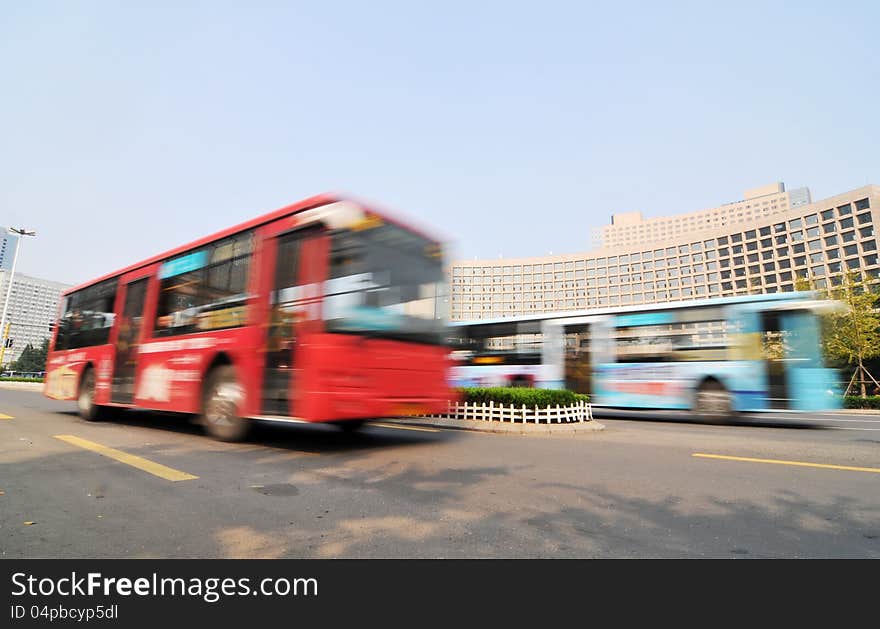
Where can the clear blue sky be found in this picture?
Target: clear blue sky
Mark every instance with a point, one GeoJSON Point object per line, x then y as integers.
{"type": "Point", "coordinates": [510, 128]}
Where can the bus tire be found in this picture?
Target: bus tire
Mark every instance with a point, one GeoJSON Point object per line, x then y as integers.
{"type": "Point", "coordinates": [222, 398]}
{"type": "Point", "coordinates": [520, 381]}
{"type": "Point", "coordinates": [713, 402]}
{"type": "Point", "coordinates": [350, 426]}
{"type": "Point", "coordinates": [85, 400]}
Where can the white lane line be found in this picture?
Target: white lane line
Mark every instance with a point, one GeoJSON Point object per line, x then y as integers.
{"type": "Point", "coordinates": [835, 419]}
{"type": "Point", "coordinates": [847, 428]}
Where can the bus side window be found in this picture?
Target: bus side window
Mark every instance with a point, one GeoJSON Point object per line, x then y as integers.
{"type": "Point", "coordinates": [205, 289]}
{"type": "Point", "coordinates": [88, 316]}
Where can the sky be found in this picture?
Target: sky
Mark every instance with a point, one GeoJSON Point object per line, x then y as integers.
{"type": "Point", "coordinates": [507, 129]}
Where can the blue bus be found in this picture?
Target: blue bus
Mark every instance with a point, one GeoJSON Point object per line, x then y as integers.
{"type": "Point", "coordinates": [715, 357]}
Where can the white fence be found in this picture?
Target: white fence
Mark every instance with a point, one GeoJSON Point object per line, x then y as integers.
{"type": "Point", "coordinates": [491, 412]}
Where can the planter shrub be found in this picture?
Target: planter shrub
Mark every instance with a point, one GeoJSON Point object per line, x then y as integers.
{"type": "Point", "coordinates": [855, 401]}
{"type": "Point", "coordinates": [520, 396]}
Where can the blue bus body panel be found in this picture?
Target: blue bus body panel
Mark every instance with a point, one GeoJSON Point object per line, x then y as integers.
{"type": "Point", "coordinates": [673, 385]}
{"type": "Point", "coordinates": [815, 389]}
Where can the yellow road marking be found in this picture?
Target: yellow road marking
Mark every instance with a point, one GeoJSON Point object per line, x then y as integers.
{"type": "Point", "coordinates": [156, 469]}
{"type": "Point", "coordinates": [2, 416]}
{"type": "Point", "coordinates": [874, 470]}
{"type": "Point", "coordinates": [400, 427]}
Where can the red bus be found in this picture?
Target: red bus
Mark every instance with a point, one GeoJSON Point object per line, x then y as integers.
{"type": "Point", "coordinates": [322, 311]}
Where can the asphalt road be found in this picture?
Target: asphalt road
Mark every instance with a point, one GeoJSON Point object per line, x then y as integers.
{"type": "Point", "coordinates": [638, 489]}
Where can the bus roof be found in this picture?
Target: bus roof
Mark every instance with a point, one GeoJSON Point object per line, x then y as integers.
{"type": "Point", "coordinates": [305, 204]}
{"type": "Point", "coordinates": [690, 303]}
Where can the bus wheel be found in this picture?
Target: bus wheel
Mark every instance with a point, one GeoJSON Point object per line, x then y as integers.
{"type": "Point", "coordinates": [85, 401]}
{"type": "Point", "coordinates": [351, 425]}
{"type": "Point", "coordinates": [713, 402]}
{"type": "Point", "coordinates": [223, 394]}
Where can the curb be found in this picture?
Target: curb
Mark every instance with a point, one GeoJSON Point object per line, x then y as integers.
{"type": "Point", "coordinates": [22, 386]}
{"type": "Point", "coordinates": [502, 427]}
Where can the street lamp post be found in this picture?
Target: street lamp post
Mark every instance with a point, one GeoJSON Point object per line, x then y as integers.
{"type": "Point", "coordinates": [21, 232]}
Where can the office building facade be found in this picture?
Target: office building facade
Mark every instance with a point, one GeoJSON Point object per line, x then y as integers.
{"type": "Point", "coordinates": [33, 306]}
{"type": "Point", "coordinates": [630, 228]}
{"type": "Point", "coordinates": [760, 252]}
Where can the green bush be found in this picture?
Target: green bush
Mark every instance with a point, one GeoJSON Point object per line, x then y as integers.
{"type": "Point", "coordinates": [855, 401]}
{"type": "Point", "coordinates": [520, 396]}
{"type": "Point", "coordinates": [17, 379]}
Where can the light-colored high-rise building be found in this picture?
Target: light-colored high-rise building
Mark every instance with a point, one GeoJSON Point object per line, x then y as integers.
{"type": "Point", "coordinates": [33, 306]}
{"type": "Point", "coordinates": [631, 228]}
{"type": "Point", "coordinates": [753, 251]}
{"type": "Point", "coordinates": [7, 249]}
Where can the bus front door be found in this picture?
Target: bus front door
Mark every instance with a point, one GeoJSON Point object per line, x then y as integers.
{"type": "Point", "coordinates": [796, 377]}
{"type": "Point", "coordinates": [127, 341]}
{"type": "Point", "coordinates": [291, 300]}
{"type": "Point", "coordinates": [774, 353]}
{"type": "Point", "coordinates": [810, 383]}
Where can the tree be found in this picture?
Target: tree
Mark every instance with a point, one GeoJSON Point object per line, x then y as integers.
{"type": "Point", "coordinates": [32, 359]}
{"type": "Point", "coordinates": [852, 333]}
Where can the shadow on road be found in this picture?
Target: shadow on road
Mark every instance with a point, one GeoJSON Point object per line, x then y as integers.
{"type": "Point", "coordinates": [362, 506]}
{"type": "Point", "coordinates": [757, 420]}
{"type": "Point", "coordinates": [317, 437]}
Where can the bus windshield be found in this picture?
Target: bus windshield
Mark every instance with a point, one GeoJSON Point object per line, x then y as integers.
{"type": "Point", "coordinates": [386, 282]}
